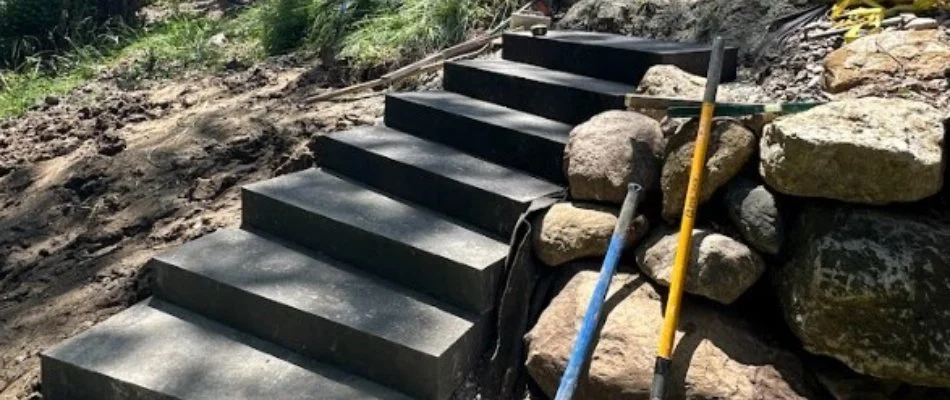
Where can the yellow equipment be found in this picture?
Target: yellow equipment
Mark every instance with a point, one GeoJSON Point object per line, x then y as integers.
{"type": "Point", "coordinates": [860, 14]}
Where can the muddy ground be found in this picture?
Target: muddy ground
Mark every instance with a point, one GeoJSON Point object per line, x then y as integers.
{"type": "Point", "coordinates": [95, 183]}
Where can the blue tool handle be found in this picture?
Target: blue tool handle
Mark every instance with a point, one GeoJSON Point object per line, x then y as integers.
{"type": "Point", "coordinates": [592, 318]}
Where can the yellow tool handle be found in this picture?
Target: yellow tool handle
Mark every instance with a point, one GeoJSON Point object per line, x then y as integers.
{"type": "Point", "coordinates": [684, 243]}
{"type": "Point", "coordinates": [664, 361]}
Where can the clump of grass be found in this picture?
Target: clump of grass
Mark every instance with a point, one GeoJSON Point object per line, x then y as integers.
{"type": "Point", "coordinates": [285, 25]}
{"type": "Point", "coordinates": [41, 27]}
{"type": "Point", "coordinates": [375, 34]}
{"type": "Point", "coordinates": [416, 27]}
{"type": "Point", "coordinates": [21, 90]}
{"type": "Point", "coordinates": [183, 42]}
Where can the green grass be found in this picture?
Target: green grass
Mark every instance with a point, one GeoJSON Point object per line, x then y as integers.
{"type": "Point", "coordinates": [182, 43]}
{"type": "Point", "coordinates": [366, 35]}
{"type": "Point", "coordinates": [375, 34]}
{"type": "Point", "coordinates": [23, 89]}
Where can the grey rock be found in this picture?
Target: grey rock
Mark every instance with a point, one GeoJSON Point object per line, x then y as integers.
{"type": "Point", "coordinates": [754, 211]}
{"type": "Point", "coordinates": [868, 150]}
{"type": "Point", "coordinates": [740, 23]}
{"type": "Point", "coordinates": [569, 231]}
{"type": "Point", "coordinates": [611, 150]}
{"type": "Point", "coordinates": [720, 268]}
{"type": "Point", "coordinates": [872, 289]}
{"type": "Point", "coordinates": [922, 23]}
{"type": "Point", "coordinates": [730, 147]}
{"type": "Point", "coordinates": [718, 355]}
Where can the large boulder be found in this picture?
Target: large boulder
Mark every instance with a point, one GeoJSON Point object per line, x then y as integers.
{"type": "Point", "coordinates": [612, 149]}
{"type": "Point", "coordinates": [872, 289]}
{"type": "Point", "coordinates": [893, 56]}
{"type": "Point", "coordinates": [730, 147]}
{"type": "Point", "coordinates": [569, 231]}
{"type": "Point", "coordinates": [720, 268]}
{"type": "Point", "coordinates": [754, 211]}
{"type": "Point", "coordinates": [717, 355]}
{"type": "Point", "coordinates": [868, 150]}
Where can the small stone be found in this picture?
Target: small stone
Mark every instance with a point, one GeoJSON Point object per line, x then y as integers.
{"type": "Point", "coordinates": [611, 150]}
{"type": "Point", "coordinates": [570, 231]}
{"type": "Point", "coordinates": [922, 23]}
{"type": "Point", "coordinates": [670, 81]}
{"type": "Point", "coordinates": [730, 147]}
{"type": "Point", "coordinates": [721, 268]}
{"type": "Point", "coordinates": [51, 100]}
{"type": "Point", "coordinates": [219, 40]}
{"type": "Point", "coordinates": [754, 211]}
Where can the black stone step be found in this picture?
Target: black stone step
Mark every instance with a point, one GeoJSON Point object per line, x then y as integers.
{"type": "Point", "coordinates": [557, 95]}
{"type": "Point", "coordinates": [610, 56]}
{"type": "Point", "coordinates": [157, 351]}
{"type": "Point", "coordinates": [499, 134]}
{"type": "Point", "coordinates": [321, 308]}
{"type": "Point", "coordinates": [475, 191]}
{"type": "Point", "coordinates": [403, 243]}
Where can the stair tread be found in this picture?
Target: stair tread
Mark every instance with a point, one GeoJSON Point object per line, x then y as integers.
{"type": "Point", "coordinates": [448, 162]}
{"type": "Point", "coordinates": [616, 41]}
{"type": "Point", "coordinates": [491, 113]}
{"type": "Point", "coordinates": [623, 59]}
{"type": "Point", "coordinates": [550, 76]}
{"type": "Point", "coordinates": [319, 192]}
{"type": "Point", "coordinates": [164, 349]}
{"type": "Point", "coordinates": [321, 286]}
{"type": "Point", "coordinates": [402, 242]}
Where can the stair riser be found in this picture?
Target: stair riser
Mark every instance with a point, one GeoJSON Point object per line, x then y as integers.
{"type": "Point", "coordinates": [485, 210]}
{"type": "Point", "coordinates": [459, 285]}
{"type": "Point", "coordinates": [627, 66]}
{"type": "Point", "coordinates": [62, 381]}
{"type": "Point", "coordinates": [348, 348]}
{"type": "Point", "coordinates": [508, 147]}
{"type": "Point", "coordinates": [561, 103]}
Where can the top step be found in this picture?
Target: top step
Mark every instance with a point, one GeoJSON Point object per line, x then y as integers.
{"type": "Point", "coordinates": [609, 56]}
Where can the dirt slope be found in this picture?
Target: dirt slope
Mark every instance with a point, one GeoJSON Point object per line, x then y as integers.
{"type": "Point", "coordinates": [94, 184]}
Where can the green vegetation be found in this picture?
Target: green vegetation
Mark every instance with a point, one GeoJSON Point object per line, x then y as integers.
{"type": "Point", "coordinates": [363, 35]}
{"type": "Point", "coordinates": [373, 34]}
{"type": "Point", "coordinates": [32, 27]}
{"type": "Point", "coordinates": [181, 43]}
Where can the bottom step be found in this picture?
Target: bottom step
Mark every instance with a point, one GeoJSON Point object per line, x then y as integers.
{"type": "Point", "coordinates": [157, 351]}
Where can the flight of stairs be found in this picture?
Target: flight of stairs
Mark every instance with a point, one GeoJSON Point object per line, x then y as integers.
{"type": "Point", "coordinates": [374, 276]}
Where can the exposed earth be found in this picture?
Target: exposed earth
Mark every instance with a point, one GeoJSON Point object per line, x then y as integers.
{"type": "Point", "coordinates": [94, 184]}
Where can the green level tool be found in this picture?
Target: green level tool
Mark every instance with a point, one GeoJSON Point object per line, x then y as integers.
{"type": "Point", "coordinates": [686, 108]}
{"type": "Point", "coordinates": [737, 110]}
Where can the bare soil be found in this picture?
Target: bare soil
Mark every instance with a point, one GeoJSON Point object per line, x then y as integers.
{"type": "Point", "coordinates": [94, 184]}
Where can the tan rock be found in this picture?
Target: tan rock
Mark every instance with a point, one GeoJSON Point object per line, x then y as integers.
{"type": "Point", "coordinates": [570, 231]}
{"type": "Point", "coordinates": [888, 56]}
{"type": "Point", "coordinates": [868, 150]}
{"type": "Point", "coordinates": [721, 268]}
{"type": "Point", "coordinates": [716, 357]}
{"type": "Point", "coordinates": [730, 147]}
{"type": "Point", "coordinates": [612, 149]}
{"type": "Point", "coordinates": [671, 81]}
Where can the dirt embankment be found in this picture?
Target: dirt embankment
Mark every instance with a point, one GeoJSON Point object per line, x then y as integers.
{"type": "Point", "coordinates": [94, 184]}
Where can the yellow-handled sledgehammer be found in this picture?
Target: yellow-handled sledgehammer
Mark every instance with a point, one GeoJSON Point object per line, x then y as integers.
{"type": "Point", "coordinates": [668, 334]}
